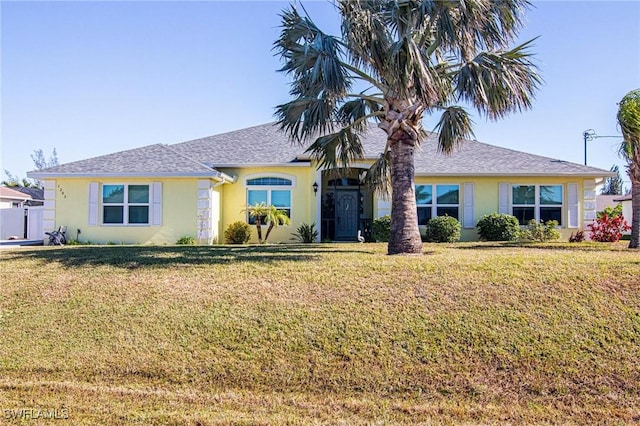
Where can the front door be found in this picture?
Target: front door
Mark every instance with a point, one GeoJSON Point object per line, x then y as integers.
{"type": "Point", "coordinates": [346, 215]}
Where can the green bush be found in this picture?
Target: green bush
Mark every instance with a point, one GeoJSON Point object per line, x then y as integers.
{"type": "Point", "coordinates": [306, 233]}
{"type": "Point", "coordinates": [539, 232]}
{"type": "Point", "coordinates": [237, 233]}
{"type": "Point", "coordinates": [442, 229]}
{"type": "Point", "coordinates": [187, 241]}
{"type": "Point", "coordinates": [498, 227]}
{"type": "Point", "coordinates": [382, 228]}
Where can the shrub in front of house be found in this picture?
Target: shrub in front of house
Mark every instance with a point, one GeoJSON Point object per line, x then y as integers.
{"type": "Point", "coordinates": [578, 237]}
{"type": "Point", "coordinates": [187, 241]}
{"type": "Point", "coordinates": [540, 232]}
{"type": "Point", "coordinates": [306, 233]}
{"type": "Point", "coordinates": [237, 233]}
{"type": "Point", "coordinates": [498, 227]}
{"type": "Point", "coordinates": [609, 225]}
{"type": "Point", "coordinates": [381, 229]}
{"type": "Point", "coordinates": [442, 229]}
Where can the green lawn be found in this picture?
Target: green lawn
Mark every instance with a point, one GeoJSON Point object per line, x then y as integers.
{"type": "Point", "coordinates": [331, 333]}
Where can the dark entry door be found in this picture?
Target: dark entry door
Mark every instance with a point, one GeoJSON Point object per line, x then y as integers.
{"type": "Point", "coordinates": [346, 215]}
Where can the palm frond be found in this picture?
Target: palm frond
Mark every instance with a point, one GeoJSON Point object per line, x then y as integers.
{"type": "Point", "coordinates": [454, 126]}
{"type": "Point", "coordinates": [304, 118]}
{"type": "Point", "coordinates": [473, 25]}
{"type": "Point", "coordinates": [629, 120]}
{"type": "Point", "coordinates": [378, 176]}
{"type": "Point", "coordinates": [355, 112]}
{"type": "Point", "coordinates": [497, 83]}
{"type": "Point", "coordinates": [366, 36]}
{"type": "Point", "coordinates": [337, 150]}
{"type": "Point", "coordinates": [311, 56]}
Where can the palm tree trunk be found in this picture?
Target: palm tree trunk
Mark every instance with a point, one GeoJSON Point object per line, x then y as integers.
{"type": "Point", "coordinates": [266, 237]}
{"type": "Point", "coordinates": [259, 229]}
{"type": "Point", "coordinates": [405, 235]}
{"type": "Point", "coordinates": [635, 214]}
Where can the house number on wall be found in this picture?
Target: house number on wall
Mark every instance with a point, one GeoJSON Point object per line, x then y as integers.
{"type": "Point", "coordinates": [61, 191]}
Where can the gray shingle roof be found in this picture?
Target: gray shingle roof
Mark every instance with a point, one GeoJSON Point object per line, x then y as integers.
{"type": "Point", "coordinates": [152, 160]}
{"type": "Point", "coordinates": [34, 193]}
{"type": "Point", "coordinates": [256, 145]}
{"type": "Point", "coordinates": [265, 145]}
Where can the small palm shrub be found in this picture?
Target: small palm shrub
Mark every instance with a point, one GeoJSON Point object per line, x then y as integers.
{"type": "Point", "coordinates": [498, 227]}
{"type": "Point", "coordinates": [442, 229]}
{"type": "Point", "coordinates": [237, 233]}
{"type": "Point", "coordinates": [306, 233]}
{"type": "Point", "coordinates": [381, 229]}
{"type": "Point", "coordinates": [539, 232]}
{"type": "Point", "coordinates": [187, 241]}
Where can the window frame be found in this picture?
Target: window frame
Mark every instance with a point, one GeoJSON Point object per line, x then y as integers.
{"type": "Point", "coordinates": [125, 204]}
{"type": "Point", "coordinates": [269, 189]}
{"type": "Point", "coordinates": [537, 205]}
{"type": "Point", "coordinates": [434, 205]}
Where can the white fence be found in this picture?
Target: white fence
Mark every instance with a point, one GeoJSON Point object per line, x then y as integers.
{"type": "Point", "coordinates": [18, 223]}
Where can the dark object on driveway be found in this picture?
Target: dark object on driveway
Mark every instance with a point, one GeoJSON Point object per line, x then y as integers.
{"type": "Point", "coordinates": [59, 237]}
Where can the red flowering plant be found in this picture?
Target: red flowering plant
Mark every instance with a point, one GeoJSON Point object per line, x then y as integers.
{"type": "Point", "coordinates": [609, 225]}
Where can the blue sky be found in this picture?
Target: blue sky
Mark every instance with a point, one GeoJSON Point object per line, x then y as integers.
{"type": "Point", "coordinates": [90, 78]}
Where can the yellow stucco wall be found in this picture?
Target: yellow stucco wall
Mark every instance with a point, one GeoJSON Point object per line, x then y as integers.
{"type": "Point", "coordinates": [486, 191]}
{"type": "Point", "coordinates": [179, 200]}
{"type": "Point", "coordinates": [303, 208]}
{"type": "Point", "coordinates": [180, 203]}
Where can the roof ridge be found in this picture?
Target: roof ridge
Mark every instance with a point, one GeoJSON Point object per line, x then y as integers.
{"type": "Point", "coordinates": [97, 156]}
{"type": "Point", "coordinates": [216, 135]}
{"type": "Point", "coordinates": [531, 154]}
{"type": "Point", "coordinates": [188, 158]}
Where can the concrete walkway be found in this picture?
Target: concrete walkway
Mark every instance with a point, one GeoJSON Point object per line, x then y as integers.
{"type": "Point", "coordinates": [20, 243]}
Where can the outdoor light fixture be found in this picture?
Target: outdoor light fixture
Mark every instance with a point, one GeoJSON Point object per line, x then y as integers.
{"type": "Point", "coordinates": [590, 135]}
{"type": "Point", "coordinates": [315, 188]}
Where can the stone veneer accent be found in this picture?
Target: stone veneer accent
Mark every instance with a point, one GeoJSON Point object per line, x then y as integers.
{"type": "Point", "coordinates": [49, 213]}
{"type": "Point", "coordinates": [204, 212]}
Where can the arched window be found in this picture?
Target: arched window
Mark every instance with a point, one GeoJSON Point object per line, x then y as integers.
{"type": "Point", "coordinates": [271, 190]}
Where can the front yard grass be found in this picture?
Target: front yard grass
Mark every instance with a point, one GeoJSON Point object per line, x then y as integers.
{"type": "Point", "coordinates": [472, 333]}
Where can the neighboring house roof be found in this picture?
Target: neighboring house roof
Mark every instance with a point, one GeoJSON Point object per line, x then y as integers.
{"type": "Point", "coordinates": [265, 145]}
{"type": "Point", "coordinates": [149, 161]}
{"type": "Point", "coordinates": [12, 194]}
{"type": "Point", "coordinates": [606, 200]}
{"type": "Point", "coordinates": [621, 198]}
{"type": "Point", "coordinates": [35, 193]}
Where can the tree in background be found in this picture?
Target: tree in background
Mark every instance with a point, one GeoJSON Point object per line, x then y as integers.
{"type": "Point", "coordinates": [416, 58]}
{"type": "Point", "coordinates": [613, 185]}
{"type": "Point", "coordinates": [629, 120]}
{"type": "Point", "coordinates": [13, 181]}
{"type": "Point", "coordinates": [40, 162]}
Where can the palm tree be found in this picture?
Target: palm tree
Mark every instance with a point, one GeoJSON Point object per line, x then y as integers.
{"type": "Point", "coordinates": [629, 120]}
{"type": "Point", "coordinates": [415, 58]}
{"type": "Point", "coordinates": [258, 211]}
{"type": "Point", "coordinates": [275, 218]}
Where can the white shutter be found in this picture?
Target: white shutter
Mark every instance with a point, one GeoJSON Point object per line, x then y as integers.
{"type": "Point", "coordinates": [503, 198]}
{"type": "Point", "coordinates": [93, 204]}
{"type": "Point", "coordinates": [156, 210]}
{"type": "Point", "coordinates": [572, 203]}
{"type": "Point", "coordinates": [468, 215]}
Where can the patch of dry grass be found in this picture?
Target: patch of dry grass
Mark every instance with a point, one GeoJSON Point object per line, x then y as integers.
{"type": "Point", "coordinates": [468, 333]}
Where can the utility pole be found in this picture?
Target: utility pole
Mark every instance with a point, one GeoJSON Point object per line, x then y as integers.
{"type": "Point", "coordinates": [590, 135]}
